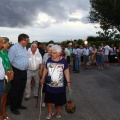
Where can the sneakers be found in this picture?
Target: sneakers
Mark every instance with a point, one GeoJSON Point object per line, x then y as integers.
{"type": "Point", "coordinates": [48, 117]}
{"type": "Point", "coordinates": [43, 105]}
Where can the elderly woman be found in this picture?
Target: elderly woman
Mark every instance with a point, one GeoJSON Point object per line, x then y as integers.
{"type": "Point", "coordinates": [57, 76]}
{"type": "Point", "coordinates": [9, 76]}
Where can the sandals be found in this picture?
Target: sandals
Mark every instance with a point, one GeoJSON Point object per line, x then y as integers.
{"type": "Point", "coordinates": [58, 115]}
{"type": "Point", "coordinates": [49, 116]}
{"type": "Point", "coordinates": [6, 118]}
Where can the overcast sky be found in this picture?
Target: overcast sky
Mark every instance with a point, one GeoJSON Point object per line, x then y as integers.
{"type": "Point", "coordinates": [46, 20]}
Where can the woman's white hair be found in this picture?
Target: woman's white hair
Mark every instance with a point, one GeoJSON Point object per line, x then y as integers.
{"type": "Point", "coordinates": [56, 48]}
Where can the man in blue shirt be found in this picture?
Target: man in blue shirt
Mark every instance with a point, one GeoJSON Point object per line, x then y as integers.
{"type": "Point", "coordinates": [19, 60]}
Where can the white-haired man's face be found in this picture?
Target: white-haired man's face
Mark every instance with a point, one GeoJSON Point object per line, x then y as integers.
{"type": "Point", "coordinates": [33, 48]}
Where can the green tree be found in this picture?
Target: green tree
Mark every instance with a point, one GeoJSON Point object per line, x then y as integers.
{"type": "Point", "coordinates": [80, 42]}
{"type": "Point", "coordinates": [51, 42]}
{"type": "Point", "coordinates": [105, 12]}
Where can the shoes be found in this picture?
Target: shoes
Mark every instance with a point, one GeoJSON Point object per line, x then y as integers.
{"type": "Point", "coordinates": [102, 68]}
{"type": "Point", "coordinates": [7, 118]}
{"type": "Point", "coordinates": [98, 68]}
{"type": "Point", "coordinates": [16, 112]}
{"type": "Point", "coordinates": [26, 99]}
{"type": "Point", "coordinates": [22, 107]}
{"type": "Point", "coordinates": [48, 117]}
{"type": "Point", "coordinates": [76, 72]}
{"type": "Point", "coordinates": [58, 115]}
{"type": "Point", "coordinates": [43, 105]}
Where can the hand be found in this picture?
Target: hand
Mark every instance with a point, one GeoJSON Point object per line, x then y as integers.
{"type": "Point", "coordinates": [40, 73]}
{"type": "Point", "coordinates": [41, 81]}
{"type": "Point", "coordinates": [11, 75]}
{"type": "Point", "coordinates": [69, 86]}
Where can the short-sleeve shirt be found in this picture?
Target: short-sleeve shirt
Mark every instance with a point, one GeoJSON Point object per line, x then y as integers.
{"type": "Point", "coordinates": [55, 76]}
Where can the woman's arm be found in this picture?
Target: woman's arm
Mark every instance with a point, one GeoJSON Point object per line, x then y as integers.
{"type": "Point", "coordinates": [43, 75]}
{"type": "Point", "coordinates": [67, 75]}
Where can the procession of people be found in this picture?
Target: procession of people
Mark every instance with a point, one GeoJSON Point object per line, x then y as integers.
{"type": "Point", "coordinates": [47, 67]}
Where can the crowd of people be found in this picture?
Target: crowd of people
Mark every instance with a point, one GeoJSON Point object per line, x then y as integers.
{"type": "Point", "coordinates": [48, 67]}
{"type": "Point", "coordinates": [18, 66]}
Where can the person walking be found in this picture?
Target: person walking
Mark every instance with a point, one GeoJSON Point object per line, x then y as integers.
{"type": "Point", "coordinates": [19, 60]}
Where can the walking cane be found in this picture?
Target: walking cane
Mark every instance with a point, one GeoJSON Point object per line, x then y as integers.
{"type": "Point", "coordinates": [38, 96]}
{"type": "Point", "coordinates": [40, 102]}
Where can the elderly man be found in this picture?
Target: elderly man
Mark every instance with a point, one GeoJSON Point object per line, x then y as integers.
{"type": "Point", "coordinates": [18, 57]}
{"type": "Point", "coordinates": [34, 70]}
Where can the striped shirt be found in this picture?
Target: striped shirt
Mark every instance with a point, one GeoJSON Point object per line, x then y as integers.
{"type": "Point", "coordinates": [2, 71]}
{"type": "Point", "coordinates": [18, 57]}
{"type": "Point", "coordinates": [34, 60]}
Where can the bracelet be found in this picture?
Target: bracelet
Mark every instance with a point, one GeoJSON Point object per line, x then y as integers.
{"type": "Point", "coordinates": [68, 82]}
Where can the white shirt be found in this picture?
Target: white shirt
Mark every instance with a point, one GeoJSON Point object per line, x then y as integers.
{"type": "Point", "coordinates": [74, 51]}
{"type": "Point", "coordinates": [113, 51]}
{"type": "Point", "coordinates": [85, 51]}
{"type": "Point", "coordinates": [2, 71]}
{"type": "Point", "coordinates": [67, 52]}
{"type": "Point", "coordinates": [34, 60]}
{"type": "Point", "coordinates": [106, 50]}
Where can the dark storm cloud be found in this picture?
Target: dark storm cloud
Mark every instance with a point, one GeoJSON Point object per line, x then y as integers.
{"type": "Point", "coordinates": [20, 13]}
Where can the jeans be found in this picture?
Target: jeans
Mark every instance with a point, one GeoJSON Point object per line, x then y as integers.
{"type": "Point", "coordinates": [77, 64]}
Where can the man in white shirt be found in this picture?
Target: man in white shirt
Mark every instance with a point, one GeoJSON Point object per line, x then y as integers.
{"type": "Point", "coordinates": [85, 56]}
{"type": "Point", "coordinates": [106, 53]}
{"type": "Point", "coordinates": [34, 70]}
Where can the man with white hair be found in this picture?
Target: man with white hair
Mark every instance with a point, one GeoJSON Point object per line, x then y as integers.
{"type": "Point", "coordinates": [34, 70]}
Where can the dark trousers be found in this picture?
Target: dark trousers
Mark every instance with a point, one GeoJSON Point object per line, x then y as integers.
{"type": "Point", "coordinates": [18, 85]}
{"type": "Point", "coordinates": [74, 64]}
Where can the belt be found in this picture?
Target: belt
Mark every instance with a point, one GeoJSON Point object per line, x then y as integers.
{"type": "Point", "coordinates": [33, 70]}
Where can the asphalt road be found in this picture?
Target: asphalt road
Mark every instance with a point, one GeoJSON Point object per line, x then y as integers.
{"type": "Point", "coordinates": [96, 94]}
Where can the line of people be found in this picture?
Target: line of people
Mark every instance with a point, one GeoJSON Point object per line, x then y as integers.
{"type": "Point", "coordinates": [100, 57]}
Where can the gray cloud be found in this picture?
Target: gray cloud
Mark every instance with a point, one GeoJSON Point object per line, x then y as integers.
{"type": "Point", "coordinates": [74, 19]}
{"type": "Point", "coordinates": [20, 13]}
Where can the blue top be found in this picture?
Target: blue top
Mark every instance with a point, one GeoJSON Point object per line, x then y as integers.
{"type": "Point", "coordinates": [55, 80]}
{"type": "Point", "coordinates": [18, 57]}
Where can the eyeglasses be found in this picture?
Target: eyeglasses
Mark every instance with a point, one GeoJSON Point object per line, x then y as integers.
{"type": "Point", "coordinates": [53, 53]}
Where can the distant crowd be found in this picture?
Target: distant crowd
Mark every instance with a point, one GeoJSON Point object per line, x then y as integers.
{"type": "Point", "coordinates": [48, 67]}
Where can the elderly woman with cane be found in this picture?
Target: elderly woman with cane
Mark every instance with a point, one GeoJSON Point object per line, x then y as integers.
{"type": "Point", "coordinates": [56, 81]}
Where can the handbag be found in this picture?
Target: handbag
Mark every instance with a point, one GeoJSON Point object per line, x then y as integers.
{"type": "Point", "coordinates": [6, 85]}
{"type": "Point", "coordinates": [70, 107]}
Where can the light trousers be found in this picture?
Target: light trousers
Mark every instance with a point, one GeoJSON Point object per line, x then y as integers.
{"type": "Point", "coordinates": [35, 75]}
